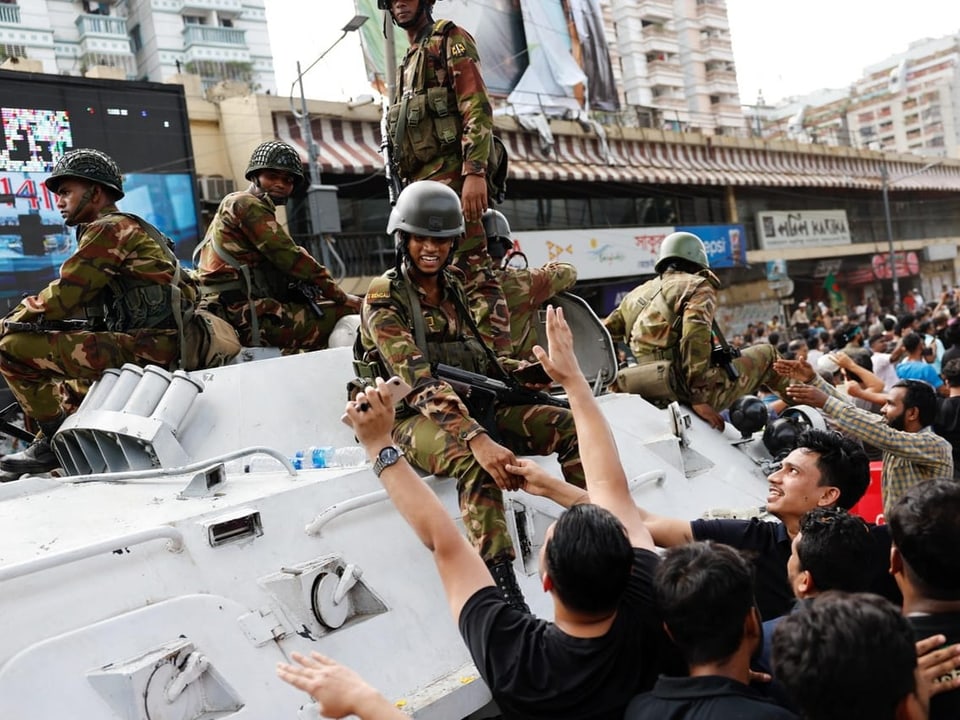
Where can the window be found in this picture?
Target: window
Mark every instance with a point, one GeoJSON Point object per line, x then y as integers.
{"type": "Point", "coordinates": [194, 20]}
{"type": "Point", "coordinates": [226, 22]}
{"type": "Point", "coordinates": [136, 40]}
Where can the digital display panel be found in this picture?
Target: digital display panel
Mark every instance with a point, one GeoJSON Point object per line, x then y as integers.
{"type": "Point", "coordinates": [142, 126]}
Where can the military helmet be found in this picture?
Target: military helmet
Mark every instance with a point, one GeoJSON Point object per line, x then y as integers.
{"type": "Point", "coordinates": [427, 208]}
{"type": "Point", "coordinates": [86, 164]}
{"type": "Point", "coordinates": [495, 225]}
{"type": "Point", "coordinates": [683, 246]}
{"type": "Point", "coordinates": [275, 155]}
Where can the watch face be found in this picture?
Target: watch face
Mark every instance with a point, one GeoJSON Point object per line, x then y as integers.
{"type": "Point", "coordinates": [389, 455]}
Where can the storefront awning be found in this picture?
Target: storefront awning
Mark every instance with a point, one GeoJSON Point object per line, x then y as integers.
{"type": "Point", "coordinates": [352, 147]}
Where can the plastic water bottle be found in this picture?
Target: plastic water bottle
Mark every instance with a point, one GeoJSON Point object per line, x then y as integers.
{"type": "Point", "coordinates": [351, 456]}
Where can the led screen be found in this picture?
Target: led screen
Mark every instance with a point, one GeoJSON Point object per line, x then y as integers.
{"type": "Point", "coordinates": [143, 126]}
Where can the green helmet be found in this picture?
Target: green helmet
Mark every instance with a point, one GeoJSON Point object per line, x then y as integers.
{"type": "Point", "coordinates": [683, 246]}
{"type": "Point", "coordinates": [275, 155]}
{"type": "Point", "coordinates": [86, 164]}
{"type": "Point", "coordinates": [427, 208]}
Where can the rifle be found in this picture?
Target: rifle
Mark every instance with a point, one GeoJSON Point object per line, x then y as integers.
{"type": "Point", "coordinates": [390, 168]}
{"type": "Point", "coordinates": [310, 294]}
{"type": "Point", "coordinates": [722, 355]}
{"type": "Point", "coordinates": [43, 326]}
{"type": "Point", "coordinates": [482, 388]}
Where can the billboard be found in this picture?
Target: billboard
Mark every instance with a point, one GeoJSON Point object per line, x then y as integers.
{"type": "Point", "coordinates": [142, 126]}
{"type": "Point", "coordinates": [779, 230]}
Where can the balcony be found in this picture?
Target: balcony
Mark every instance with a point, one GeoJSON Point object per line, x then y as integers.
{"type": "Point", "coordinates": [662, 72]}
{"type": "Point", "coordinates": [657, 39]}
{"type": "Point", "coordinates": [101, 26]}
{"type": "Point", "coordinates": [213, 36]}
{"type": "Point", "coordinates": [712, 14]}
{"type": "Point", "coordinates": [656, 9]}
{"type": "Point", "coordinates": [722, 81]}
{"type": "Point", "coordinates": [717, 45]}
{"type": "Point", "coordinates": [9, 14]}
{"type": "Point", "coordinates": [229, 6]}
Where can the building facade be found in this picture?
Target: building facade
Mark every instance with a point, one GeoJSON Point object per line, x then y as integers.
{"type": "Point", "coordinates": [676, 61]}
{"type": "Point", "coordinates": [140, 39]}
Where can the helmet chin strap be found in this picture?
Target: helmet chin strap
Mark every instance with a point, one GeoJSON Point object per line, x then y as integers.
{"type": "Point", "coordinates": [85, 199]}
{"type": "Point", "coordinates": [279, 202]}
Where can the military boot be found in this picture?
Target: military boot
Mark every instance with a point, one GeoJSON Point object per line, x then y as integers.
{"type": "Point", "coordinates": [38, 457]}
{"type": "Point", "coordinates": [503, 575]}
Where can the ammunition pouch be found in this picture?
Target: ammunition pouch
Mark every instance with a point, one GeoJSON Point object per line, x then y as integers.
{"type": "Point", "coordinates": [208, 341]}
{"type": "Point", "coordinates": [656, 382]}
{"type": "Point", "coordinates": [466, 354]}
{"type": "Point", "coordinates": [136, 307]}
{"type": "Point", "coordinates": [423, 126]}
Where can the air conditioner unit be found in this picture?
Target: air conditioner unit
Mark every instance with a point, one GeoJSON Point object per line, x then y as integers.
{"type": "Point", "coordinates": [213, 188]}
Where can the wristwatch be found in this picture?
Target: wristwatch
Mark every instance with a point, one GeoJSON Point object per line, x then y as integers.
{"type": "Point", "coordinates": [385, 458]}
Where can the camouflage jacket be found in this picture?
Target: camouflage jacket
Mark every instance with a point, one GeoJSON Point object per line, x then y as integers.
{"type": "Point", "coordinates": [525, 291]}
{"type": "Point", "coordinates": [452, 61]}
{"type": "Point", "coordinates": [247, 228]}
{"type": "Point", "coordinates": [647, 319]}
{"type": "Point", "coordinates": [385, 325]}
{"type": "Point", "coordinates": [112, 247]}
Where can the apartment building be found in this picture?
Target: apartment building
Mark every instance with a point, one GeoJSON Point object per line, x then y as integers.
{"type": "Point", "coordinates": [676, 58]}
{"type": "Point", "coordinates": [140, 39]}
{"type": "Point", "coordinates": [908, 103]}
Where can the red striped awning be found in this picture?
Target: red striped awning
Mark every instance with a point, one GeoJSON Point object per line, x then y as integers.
{"type": "Point", "coordinates": [352, 147]}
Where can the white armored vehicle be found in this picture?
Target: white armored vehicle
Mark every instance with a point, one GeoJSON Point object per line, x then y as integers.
{"type": "Point", "coordinates": [183, 556]}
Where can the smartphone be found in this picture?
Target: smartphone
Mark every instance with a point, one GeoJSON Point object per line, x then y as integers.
{"type": "Point", "coordinates": [398, 390]}
{"type": "Point", "coordinates": [533, 374]}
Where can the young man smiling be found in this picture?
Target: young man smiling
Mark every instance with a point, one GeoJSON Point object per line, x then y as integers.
{"type": "Point", "coordinates": [824, 470]}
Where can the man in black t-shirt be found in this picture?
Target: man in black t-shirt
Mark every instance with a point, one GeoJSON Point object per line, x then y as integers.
{"type": "Point", "coordinates": [925, 525]}
{"type": "Point", "coordinates": [705, 594]}
{"type": "Point", "coordinates": [596, 562]}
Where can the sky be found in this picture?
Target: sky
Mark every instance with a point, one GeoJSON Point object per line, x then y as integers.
{"type": "Point", "coordinates": [780, 49]}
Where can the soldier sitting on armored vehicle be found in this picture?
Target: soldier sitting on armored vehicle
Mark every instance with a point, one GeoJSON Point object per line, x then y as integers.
{"type": "Point", "coordinates": [416, 317]}
{"type": "Point", "coordinates": [669, 323]}
{"type": "Point", "coordinates": [526, 289]}
{"type": "Point", "coordinates": [596, 563]}
{"type": "Point", "coordinates": [122, 277]}
{"type": "Point", "coordinates": [825, 469]}
{"type": "Point", "coordinates": [255, 276]}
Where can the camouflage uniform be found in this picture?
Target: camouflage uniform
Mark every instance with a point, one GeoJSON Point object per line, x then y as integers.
{"type": "Point", "coordinates": [435, 426]}
{"type": "Point", "coordinates": [49, 372]}
{"type": "Point", "coordinates": [450, 59]}
{"type": "Point", "coordinates": [526, 290]}
{"type": "Point", "coordinates": [646, 319]}
{"type": "Point", "coordinates": [247, 229]}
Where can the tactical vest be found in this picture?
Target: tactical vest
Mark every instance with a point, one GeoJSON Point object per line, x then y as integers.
{"type": "Point", "coordinates": [131, 304]}
{"type": "Point", "coordinates": [651, 300]}
{"type": "Point", "coordinates": [424, 123]}
{"type": "Point", "coordinates": [464, 352]}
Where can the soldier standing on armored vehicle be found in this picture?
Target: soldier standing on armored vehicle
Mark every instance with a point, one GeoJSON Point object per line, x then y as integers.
{"type": "Point", "coordinates": [435, 429]}
{"type": "Point", "coordinates": [122, 278]}
{"type": "Point", "coordinates": [441, 128]}
{"type": "Point", "coordinates": [681, 354]}
{"type": "Point", "coordinates": [255, 276]}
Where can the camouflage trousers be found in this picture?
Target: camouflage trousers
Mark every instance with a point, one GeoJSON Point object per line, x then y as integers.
{"type": "Point", "coordinates": [488, 305]}
{"type": "Point", "coordinates": [756, 368]}
{"type": "Point", "coordinates": [524, 429]}
{"type": "Point", "coordinates": [49, 373]}
{"type": "Point", "coordinates": [290, 326]}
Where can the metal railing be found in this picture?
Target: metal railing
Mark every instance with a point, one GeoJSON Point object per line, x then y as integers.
{"type": "Point", "coordinates": [202, 35]}
{"type": "Point", "coordinates": [10, 14]}
{"type": "Point", "coordinates": [100, 25]}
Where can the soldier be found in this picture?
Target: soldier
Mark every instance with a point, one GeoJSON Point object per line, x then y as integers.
{"type": "Point", "coordinates": [122, 276]}
{"type": "Point", "coordinates": [669, 324]}
{"type": "Point", "coordinates": [250, 268]}
{"type": "Point", "coordinates": [435, 429]}
{"type": "Point", "coordinates": [441, 128]}
{"type": "Point", "coordinates": [525, 289]}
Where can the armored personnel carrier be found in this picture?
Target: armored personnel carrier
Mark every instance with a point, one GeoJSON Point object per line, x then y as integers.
{"type": "Point", "coordinates": [183, 555]}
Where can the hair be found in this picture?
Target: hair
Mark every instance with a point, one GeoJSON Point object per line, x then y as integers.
{"type": "Point", "coordinates": [875, 339]}
{"type": "Point", "coordinates": [889, 323]}
{"type": "Point", "coordinates": [835, 547]}
{"type": "Point", "coordinates": [813, 340]}
{"type": "Point", "coordinates": [773, 337]}
{"type": "Point", "coordinates": [920, 395]}
{"type": "Point", "coordinates": [846, 334]}
{"type": "Point", "coordinates": [845, 657]}
{"type": "Point", "coordinates": [905, 321]}
{"type": "Point", "coordinates": [797, 344]}
{"type": "Point", "coordinates": [911, 341]}
{"type": "Point", "coordinates": [925, 527]}
{"type": "Point", "coordinates": [842, 462]}
{"type": "Point", "coordinates": [924, 327]}
{"type": "Point", "coordinates": [704, 591]}
{"type": "Point", "coordinates": [951, 372]}
{"type": "Point", "coordinates": [588, 559]}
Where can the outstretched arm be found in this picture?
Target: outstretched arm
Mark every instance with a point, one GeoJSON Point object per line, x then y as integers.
{"type": "Point", "coordinates": [338, 690]}
{"type": "Point", "coordinates": [606, 480]}
{"type": "Point", "coordinates": [461, 569]}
